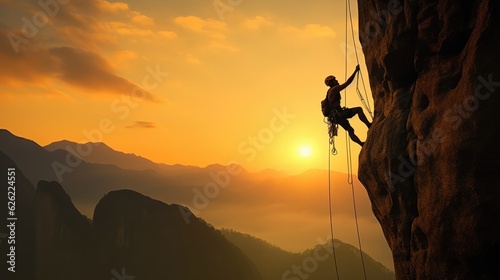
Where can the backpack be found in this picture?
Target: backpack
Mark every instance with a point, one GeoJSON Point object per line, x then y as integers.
{"type": "Point", "coordinates": [326, 107]}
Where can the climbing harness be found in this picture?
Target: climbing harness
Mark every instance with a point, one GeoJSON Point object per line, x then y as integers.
{"type": "Point", "coordinates": [332, 132]}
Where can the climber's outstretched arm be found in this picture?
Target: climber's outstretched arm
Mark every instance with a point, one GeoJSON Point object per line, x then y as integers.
{"type": "Point", "coordinates": [348, 82]}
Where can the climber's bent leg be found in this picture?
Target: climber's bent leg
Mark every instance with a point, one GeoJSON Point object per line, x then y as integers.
{"type": "Point", "coordinates": [353, 136]}
{"type": "Point", "coordinates": [362, 116]}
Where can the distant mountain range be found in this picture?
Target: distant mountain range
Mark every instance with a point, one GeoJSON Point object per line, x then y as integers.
{"type": "Point", "coordinates": [130, 235]}
{"type": "Point", "coordinates": [102, 154]}
{"type": "Point", "coordinates": [268, 195]}
{"type": "Point", "coordinates": [87, 176]}
{"type": "Point", "coordinates": [85, 182]}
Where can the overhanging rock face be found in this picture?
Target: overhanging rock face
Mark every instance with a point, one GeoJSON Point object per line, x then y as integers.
{"type": "Point", "coordinates": [431, 163]}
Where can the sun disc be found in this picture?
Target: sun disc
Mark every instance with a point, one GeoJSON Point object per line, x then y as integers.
{"type": "Point", "coordinates": [305, 151]}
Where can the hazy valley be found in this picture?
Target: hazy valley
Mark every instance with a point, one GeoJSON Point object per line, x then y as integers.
{"type": "Point", "coordinates": [289, 211]}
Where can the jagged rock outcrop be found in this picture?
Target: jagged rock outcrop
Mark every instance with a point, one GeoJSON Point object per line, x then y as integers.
{"type": "Point", "coordinates": [431, 161]}
{"type": "Point", "coordinates": [65, 239]}
{"type": "Point", "coordinates": [131, 236]}
{"type": "Point", "coordinates": [154, 240]}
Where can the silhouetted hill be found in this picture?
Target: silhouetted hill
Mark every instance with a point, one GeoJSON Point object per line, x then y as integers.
{"type": "Point", "coordinates": [65, 239]}
{"type": "Point", "coordinates": [35, 161]}
{"type": "Point", "coordinates": [269, 173]}
{"type": "Point", "coordinates": [103, 154]}
{"type": "Point", "coordinates": [131, 235]}
{"type": "Point", "coordinates": [100, 153]}
{"type": "Point", "coordinates": [85, 182]}
{"type": "Point", "coordinates": [154, 240]}
{"type": "Point", "coordinates": [314, 264]}
{"type": "Point", "coordinates": [270, 260]}
{"type": "Point", "coordinates": [24, 225]}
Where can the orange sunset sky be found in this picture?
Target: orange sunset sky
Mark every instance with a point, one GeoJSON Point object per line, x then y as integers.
{"type": "Point", "coordinates": [178, 81]}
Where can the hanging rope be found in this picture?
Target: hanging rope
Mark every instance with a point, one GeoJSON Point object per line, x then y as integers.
{"type": "Point", "coordinates": [348, 143]}
{"type": "Point", "coordinates": [357, 231]}
{"type": "Point", "coordinates": [350, 177]}
{"type": "Point", "coordinates": [365, 101]}
{"type": "Point", "coordinates": [331, 214]}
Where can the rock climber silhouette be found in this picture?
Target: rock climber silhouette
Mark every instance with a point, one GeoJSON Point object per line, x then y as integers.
{"type": "Point", "coordinates": [340, 115]}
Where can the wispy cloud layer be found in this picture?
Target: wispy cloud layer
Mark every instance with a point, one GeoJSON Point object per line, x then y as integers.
{"type": "Point", "coordinates": [142, 124]}
{"type": "Point", "coordinates": [73, 45]}
{"type": "Point", "coordinates": [209, 27]}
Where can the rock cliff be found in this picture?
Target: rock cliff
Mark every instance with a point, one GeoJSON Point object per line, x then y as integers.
{"type": "Point", "coordinates": [65, 239]}
{"type": "Point", "coordinates": [431, 163]}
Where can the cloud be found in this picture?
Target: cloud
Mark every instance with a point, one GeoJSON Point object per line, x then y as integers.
{"type": "Point", "coordinates": [143, 20]}
{"type": "Point", "coordinates": [104, 6]}
{"type": "Point", "coordinates": [93, 38]}
{"type": "Point", "coordinates": [80, 45]}
{"type": "Point", "coordinates": [124, 55]}
{"type": "Point", "coordinates": [316, 30]}
{"type": "Point", "coordinates": [85, 23]}
{"type": "Point", "coordinates": [32, 67]}
{"type": "Point", "coordinates": [96, 24]}
{"type": "Point", "coordinates": [311, 31]}
{"type": "Point", "coordinates": [79, 68]}
{"type": "Point", "coordinates": [134, 31]}
{"type": "Point", "coordinates": [167, 34]}
{"type": "Point", "coordinates": [191, 59]}
{"type": "Point", "coordinates": [89, 71]}
{"type": "Point", "coordinates": [257, 22]}
{"type": "Point", "coordinates": [210, 27]}
{"type": "Point", "coordinates": [142, 124]}
{"type": "Point", "coordinates": [221, 46]}
{"type": "Point", "coordinates": [127, 29]}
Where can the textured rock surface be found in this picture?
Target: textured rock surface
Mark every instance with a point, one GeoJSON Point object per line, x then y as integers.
{"type": "Point", "coordinates": [431, 160]}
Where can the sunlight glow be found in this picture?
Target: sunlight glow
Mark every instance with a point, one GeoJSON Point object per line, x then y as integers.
{"type": "Point", "coordinates": [305, 151]}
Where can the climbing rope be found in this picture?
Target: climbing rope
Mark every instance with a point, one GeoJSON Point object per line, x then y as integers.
{"type": "Point", "coordinates": [350, 177]}
{"type": "Point", "coordinates": [365, 101]}
{"type": "Point", "coordinates": [331, 214]}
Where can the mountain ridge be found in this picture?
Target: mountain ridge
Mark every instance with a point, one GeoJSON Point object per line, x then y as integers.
{"type": "Point", "coordinates": [254, 198]}
{"type": "Point", "coordinates": [100, 152]}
